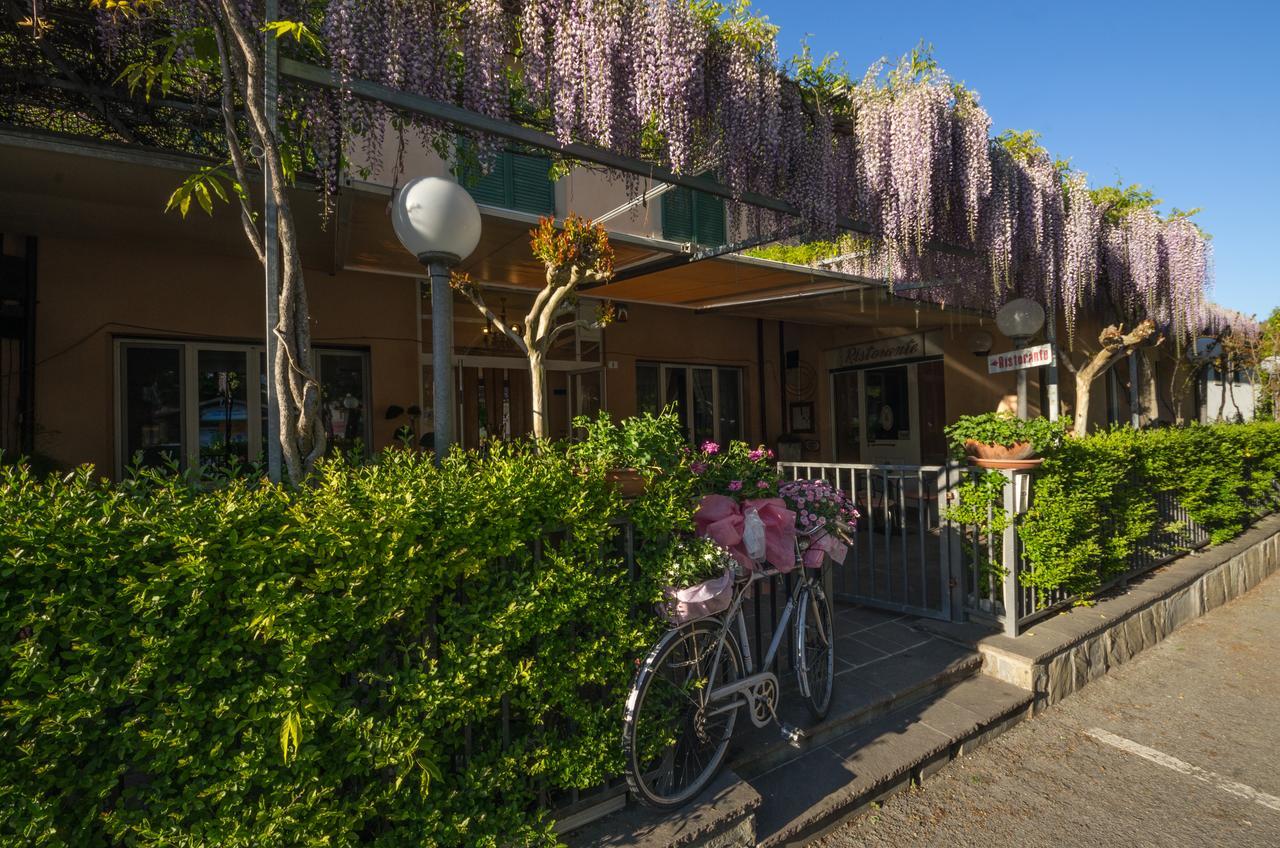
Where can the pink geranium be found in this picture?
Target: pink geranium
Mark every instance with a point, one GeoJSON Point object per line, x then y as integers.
{"type": "Point", "coordinates": [735, 485]}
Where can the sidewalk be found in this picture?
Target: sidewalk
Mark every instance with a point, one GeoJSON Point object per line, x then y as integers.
{"type": "Point", "coordinates": [1182, 752]}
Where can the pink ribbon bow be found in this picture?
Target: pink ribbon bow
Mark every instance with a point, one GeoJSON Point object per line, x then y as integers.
{"type": "Point", "coordinates": [720, 518]}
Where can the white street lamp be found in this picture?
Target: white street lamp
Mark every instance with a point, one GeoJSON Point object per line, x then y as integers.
{"type": "Point", "coordinates": [438, 222]}
{"type": "Point", "coordinates": [1020, 319]}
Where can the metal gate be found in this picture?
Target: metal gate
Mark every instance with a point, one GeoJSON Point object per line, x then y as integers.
{"type": "Point", "coordinates": [903, 552]}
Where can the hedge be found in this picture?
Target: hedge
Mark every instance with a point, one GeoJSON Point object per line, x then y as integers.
{"type": "Point", "coordinates": [1094, 501]}
{"type": "Point", "coordinates": [253, 665]}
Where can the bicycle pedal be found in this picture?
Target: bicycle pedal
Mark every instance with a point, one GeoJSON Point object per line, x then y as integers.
{"type": "Point", "coordinates": [794, 736]}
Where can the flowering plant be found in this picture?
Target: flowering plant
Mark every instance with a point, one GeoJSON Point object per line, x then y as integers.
{"type": "Point", "coordinates": [818, 505]}
{"type": "Point", "coordinates": [737, 470]}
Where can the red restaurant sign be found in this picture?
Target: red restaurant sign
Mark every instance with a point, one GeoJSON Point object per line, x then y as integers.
{"type": "Point", "coordinates": [1016, 360]}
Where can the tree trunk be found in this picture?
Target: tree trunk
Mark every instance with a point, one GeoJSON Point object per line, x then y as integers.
{"type": "Point", "coordinates": [1116, 344]}
{"type": "Point", "coordinates": [302, 434]}
{"type": "Point", "coordinates": [1152, 385]}
{"type": "Point", "coordinates": [538, 397]}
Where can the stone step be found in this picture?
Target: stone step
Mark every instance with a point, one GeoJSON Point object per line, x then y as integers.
{"type": "Point", "coordinates": [809, 795]}
{"type": "Point", "coordinates": [866, 688]}
{"type": "Point", "coordinates": [882, 668]}
{"type": "Point", "coordinates": [723, 815]}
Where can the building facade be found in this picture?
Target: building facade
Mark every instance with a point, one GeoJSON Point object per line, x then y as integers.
{"type": "Point", "coordinates": [134, 335]}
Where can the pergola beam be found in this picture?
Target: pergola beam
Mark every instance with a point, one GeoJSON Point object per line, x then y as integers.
{"type": "Point", "coordinates": [699, 254]}
{"type": "Point", "coordinates": [425, 107]}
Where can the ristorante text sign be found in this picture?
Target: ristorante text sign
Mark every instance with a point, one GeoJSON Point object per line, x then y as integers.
{"type": "Point", "coordinates": [1017, 360]}
{"type": "Point", "coordinates": [914, 346]}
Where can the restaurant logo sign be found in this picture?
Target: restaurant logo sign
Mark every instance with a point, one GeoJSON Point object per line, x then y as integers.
{"type": "Point", "coordinates": [1020, 358]}
{"type": "Point", "coordinates": [914, 346]}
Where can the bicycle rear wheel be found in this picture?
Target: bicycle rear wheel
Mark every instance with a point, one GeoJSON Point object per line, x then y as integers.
{"type": "Point", "coordinates": [674, 746]}
{"type": "Point", "coordinates": [814, 640]}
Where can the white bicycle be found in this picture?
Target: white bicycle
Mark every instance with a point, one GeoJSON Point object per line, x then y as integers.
{"type": "Point", "coordinates": [688, 691]}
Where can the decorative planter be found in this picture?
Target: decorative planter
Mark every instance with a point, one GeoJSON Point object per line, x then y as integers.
{"type": "Point", "coordinates": [627, 482]}
{"type": "Point", "coordinates": [1020, 455]}
{"type": "Point", "coordinates": [699, 601]}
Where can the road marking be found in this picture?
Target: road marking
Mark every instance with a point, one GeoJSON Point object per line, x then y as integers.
{"type": "Point", "coordinates": [1159, 758]}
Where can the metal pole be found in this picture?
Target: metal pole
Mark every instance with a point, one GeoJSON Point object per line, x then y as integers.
{"type": "Point", "coordinates": [271, 252]}
{"type": "Point", "coordinates": [1022, 394]}
{"type": "Point", "coordinates": [442, 357]}
{"type": "Point", "coordinates": [1135, 414]}
{"type": "Point", "coordinates": [1009, 555]}
{"type": "Point", "coordinates": [1051, 370]}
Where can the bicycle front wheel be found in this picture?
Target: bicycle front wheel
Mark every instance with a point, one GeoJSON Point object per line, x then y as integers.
{"type": "Point", "coordinates": [674, 742]}
{"type": "Point", "coordinates": [814, 640]}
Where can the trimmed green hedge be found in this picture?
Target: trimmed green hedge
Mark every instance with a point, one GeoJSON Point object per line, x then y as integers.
{"type": "Point", "coordinates": [256, 666]}
{"type": "Point", "coordinates": [1094, 498]}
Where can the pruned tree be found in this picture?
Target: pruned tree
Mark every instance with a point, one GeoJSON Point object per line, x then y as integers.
{"type": "Point", "coordinates": [1115, 345]}
{"type": "Point", "coordinates": [575, 255]}
{"type": "Point", "coordinates": [255, 146]}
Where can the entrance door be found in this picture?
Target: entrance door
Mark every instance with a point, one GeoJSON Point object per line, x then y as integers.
{"type": "Point", "coordinates": [495, 404]}
{"type": "Point", "coordinates": [890, 415]}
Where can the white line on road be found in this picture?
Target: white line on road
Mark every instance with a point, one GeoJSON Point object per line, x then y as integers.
{"type": "Point", "coordinates": [1159, 758]}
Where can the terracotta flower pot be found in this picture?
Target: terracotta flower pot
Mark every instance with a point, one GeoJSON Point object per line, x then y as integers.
{"type": "Point", "coordinates": [1017, 455]}
{"type": "Point", "coordinates": [627, 482]}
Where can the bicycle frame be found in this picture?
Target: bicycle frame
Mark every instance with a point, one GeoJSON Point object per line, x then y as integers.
{"type": "Point", "coordinates": [751, 679]}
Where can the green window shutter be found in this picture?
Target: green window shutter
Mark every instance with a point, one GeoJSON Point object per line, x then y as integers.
{"type": "Point", "coordinates": [677, 215]}
{"type": "Point", "coordinates": [708, 217]}
{"type": "Point", "coordinates": [689, 215]}
{"type": "Point", "coordinates": [494, 188]}
{"type": "Point", "coordinates": [531, 187]}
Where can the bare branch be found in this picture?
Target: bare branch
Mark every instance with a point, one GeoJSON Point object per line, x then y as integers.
{"type": "Point", "coordinates": [560, 329]}
{"type": "Point", "coordinates": [233, 145]}
{"type": "Point", "coordinates": [472, 293]}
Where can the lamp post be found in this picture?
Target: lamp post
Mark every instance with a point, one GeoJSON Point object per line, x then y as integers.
{"type": "Point", "coordinates": [437, 221]}
{"type": "Point", "coordinates": [1020, 319]}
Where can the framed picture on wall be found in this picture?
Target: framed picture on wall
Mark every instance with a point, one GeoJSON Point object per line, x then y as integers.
{"type": "Point", "coordinates": [801, 414]}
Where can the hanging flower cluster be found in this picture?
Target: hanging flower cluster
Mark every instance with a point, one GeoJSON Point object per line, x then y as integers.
{"type": "Point", "coordinates": [697, 87]}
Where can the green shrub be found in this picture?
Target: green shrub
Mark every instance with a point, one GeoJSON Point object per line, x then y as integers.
{"type": "Point", "coordinates": [252, 665]}
{"type": "Point", "coordinates": [1095, 498]}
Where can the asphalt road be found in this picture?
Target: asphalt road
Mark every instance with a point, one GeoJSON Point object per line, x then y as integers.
{"type": "Point", "coordinates": [1179, 747]}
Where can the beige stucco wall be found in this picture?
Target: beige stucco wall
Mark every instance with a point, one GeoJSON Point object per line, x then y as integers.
{"type": "Point", "coordinates": [94, 291]}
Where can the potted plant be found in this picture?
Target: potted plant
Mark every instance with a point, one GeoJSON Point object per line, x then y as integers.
{"type": "Point", "coordinates": [631, 452]}
{"type": "Point", "coordinates": [1002, 440]}
{"type": "Point", "coordinates": [698, 581]}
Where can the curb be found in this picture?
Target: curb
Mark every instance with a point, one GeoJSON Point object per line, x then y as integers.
{"type": "Point", "coordinates": [1062, 654]}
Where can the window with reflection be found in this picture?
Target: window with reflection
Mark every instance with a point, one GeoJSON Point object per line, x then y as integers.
{"type": "Point", "coordinates": [204, 404]}
{"type": "Point", "coordinates": [706, 399]}
{"type": "Point", "coordinates": [152, 423]}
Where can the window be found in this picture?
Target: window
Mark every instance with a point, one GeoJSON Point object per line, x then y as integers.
{"type": "Point", "coordinates": [691, 216]}
{"type": "Point", "coordinates": [519, 181]}
{"type": "Point", "coordinates": [707, 399]}
{"type": "Point", "coordinates": [205, 403]}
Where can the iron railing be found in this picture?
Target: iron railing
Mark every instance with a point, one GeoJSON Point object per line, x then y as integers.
{"type": "Point", "coordinates": [993, 563]}
{"type": "Point", "coordinates": [902, 554]}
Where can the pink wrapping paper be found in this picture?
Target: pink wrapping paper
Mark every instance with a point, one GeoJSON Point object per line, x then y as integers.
{"type": "Point", "coordinates": [706, 598]}
{"type": "Point", "coordinates": [719, 517]}
{"type": "Point", "coordinates": [825, 545]}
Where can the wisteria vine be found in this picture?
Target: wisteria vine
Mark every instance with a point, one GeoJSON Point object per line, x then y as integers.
{"type": "Point", "coordinates": [969, 219]}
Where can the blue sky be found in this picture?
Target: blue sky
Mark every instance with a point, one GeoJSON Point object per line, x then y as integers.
{"type": "Point", "coordinates": [1181, 97]}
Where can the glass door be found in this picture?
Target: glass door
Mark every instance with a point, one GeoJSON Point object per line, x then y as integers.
{"type": "Point", "coordinates": [675, 390]}
{"type": "Point", "coordinates": [891, 434]}
{"type": "Point", "coordinates": [848, 423]}
{"type": "Point", "coordinates": [222, 407]}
